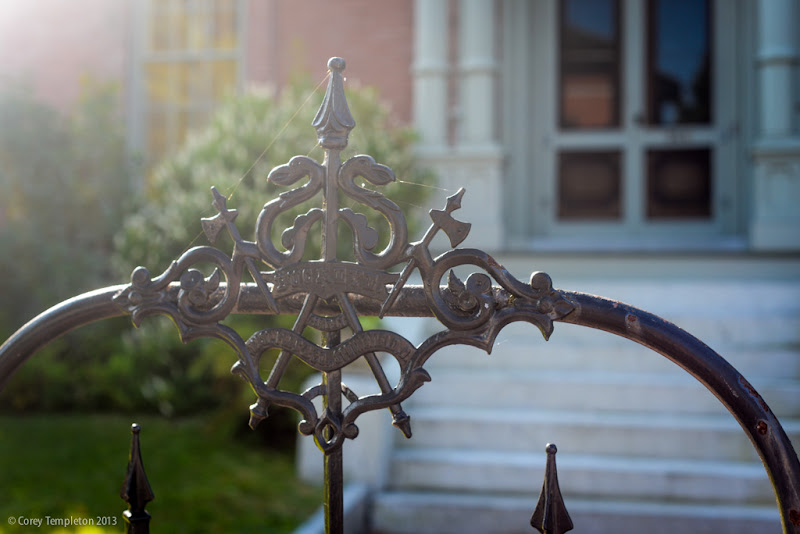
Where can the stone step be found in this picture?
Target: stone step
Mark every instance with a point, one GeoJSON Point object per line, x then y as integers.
{"type": "Point", "coordinates": [483, 458]}
{"type": "Point", "coordinates": [581, 476]}
{"type": "Point", "coordinates": [699, 297]}
{"type": "Point", "coordinates": [712, 437]}
{"type": "Point", "coordinates": [454, 513]}
{"type": "Point", "coordinates": [718, 331]}
{"type": "Point", "coordinates": [591, 390]}
{"type": "Point", "coordinates": [743, 311]}
{"type": "Point", "coordinates": [521, 347]}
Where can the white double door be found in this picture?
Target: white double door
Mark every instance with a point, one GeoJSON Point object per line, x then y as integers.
{"type": "Point", "coordinates": [636, 121]}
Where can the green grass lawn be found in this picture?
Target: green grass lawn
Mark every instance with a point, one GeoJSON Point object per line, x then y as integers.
{"type": "Point", "coordinates": [203, 480]}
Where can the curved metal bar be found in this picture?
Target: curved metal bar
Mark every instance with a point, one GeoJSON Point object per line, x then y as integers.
{"type": "Point", "coordinates": [54, 323]}
{"type": "Point", "coordinates": [99, 304]}
{"type": "Point", "coordinates": [716, 374]}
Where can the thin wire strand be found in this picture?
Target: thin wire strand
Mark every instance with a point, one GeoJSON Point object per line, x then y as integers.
{"type": "Point", "coordinates": [426, 185]}
{"type": "Point", "coordinates": [280, 132]}
{"type": "Point", "coordinates": [312, 149]}
{"type": "Point", "coordinates": [407, 203]}
{"type": "Point", "coordinates": [263, 152]}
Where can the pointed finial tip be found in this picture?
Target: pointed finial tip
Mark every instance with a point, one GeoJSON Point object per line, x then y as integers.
{"type": "Point", "coordinates": [258, 412]}
{"type": "Point", "coordinates": [336, 63]}
{"type": "Point", "coordinates": [551, 448]}
{"type": "Point", "coordinates": [402, 421]}
{"type": "Point", "coordinates": [333, 121]}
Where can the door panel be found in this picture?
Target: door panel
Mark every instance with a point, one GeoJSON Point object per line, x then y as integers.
{"type": "Point", "coordinates": [589, 185]}
{"type": "Point", "coordinates": [679, 184]}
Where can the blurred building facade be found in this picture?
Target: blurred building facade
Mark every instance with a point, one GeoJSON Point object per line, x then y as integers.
{"type": "Point", "coordinates": [646, 150]}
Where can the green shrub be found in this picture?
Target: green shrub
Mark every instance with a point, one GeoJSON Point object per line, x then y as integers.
{"type": "Point", "coordinates": [250, 135]}
{"type": "Point", "coordinates": [65, 183]}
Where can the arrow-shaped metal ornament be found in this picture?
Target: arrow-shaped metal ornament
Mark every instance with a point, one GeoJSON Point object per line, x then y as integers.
{"type": "Point", "coordinates": [457, 231]}
{"type": "Point", "coordinates": [212, 226]}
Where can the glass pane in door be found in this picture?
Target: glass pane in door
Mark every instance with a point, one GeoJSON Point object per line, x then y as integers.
{"type": "Point", "coordinates": [589, 77]}
{"type": "Point", "coordinates": [679, 184]}
{"type": "Point", "coordinates": [589, 186]}
{"type": "Point", "coordinates": [679, 62]}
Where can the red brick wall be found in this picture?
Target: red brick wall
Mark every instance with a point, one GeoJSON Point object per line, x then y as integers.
{"type": "Point", "coordinates": [375, 37]}
{"type": "Point", "coordinates": [53, 44]}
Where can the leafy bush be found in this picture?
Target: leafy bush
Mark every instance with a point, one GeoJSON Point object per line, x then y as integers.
{"type": "Point", "coordinates": [65, 182]}
{"type": "Point", "coordinates": [249, 136]}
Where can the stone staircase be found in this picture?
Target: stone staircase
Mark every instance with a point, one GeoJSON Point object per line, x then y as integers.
{"type": "Point", "coordinates": [643, 447]}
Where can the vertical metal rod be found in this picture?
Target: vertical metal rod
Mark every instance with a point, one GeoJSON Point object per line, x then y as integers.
{"type": "Point", "coordinates": [334, 493]}
{"type": "Point", "coordinates": [334, 475]}
{"type": "Point", "coordinates": [330, 199]}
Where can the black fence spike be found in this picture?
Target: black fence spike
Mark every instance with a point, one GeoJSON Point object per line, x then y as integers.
{"type": "Point", "coordinates": [136, 489]}
{"type": "Point", "coordinates": [550, 515]}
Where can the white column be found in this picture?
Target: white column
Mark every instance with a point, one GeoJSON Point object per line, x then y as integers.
{"type": "Point", "coordinates": [430, 73]}
{"type": "Point", "coordinates": [777, 57]}
{"type": "Point", "coordinates": [776, 219]}
{"type": "Point", "coordinates": [477, 162]}
{"type": "Point", "coordinates": [477, 69]}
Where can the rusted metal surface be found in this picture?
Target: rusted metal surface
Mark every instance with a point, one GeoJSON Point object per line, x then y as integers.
{"type": "Point", "coordinates": [330, 293]}
{"type": "Point", "coordinates": [715, 373]}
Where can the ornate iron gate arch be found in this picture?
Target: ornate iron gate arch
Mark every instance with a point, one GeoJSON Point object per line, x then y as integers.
{"type": "Point", "coordinates": [329, 294]}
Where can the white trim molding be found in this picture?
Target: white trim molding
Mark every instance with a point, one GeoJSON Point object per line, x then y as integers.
{"type": "Point", "coordinates": [430, 70]}
{"type": "Point", "coordinates": [775, 222]}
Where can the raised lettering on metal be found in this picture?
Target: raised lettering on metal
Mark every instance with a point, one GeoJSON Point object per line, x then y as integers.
{"type": "Point", "coordinates": [326, 280]}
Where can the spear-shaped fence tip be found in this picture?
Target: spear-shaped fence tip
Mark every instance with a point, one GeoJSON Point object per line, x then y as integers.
{"type": "Point", "coordinates": [258, 412]}
{"type": "Point", "coordinates": [550, 515]}
{"type": "Point", "coordinates": [402, 421]}
{"type": "Point", "coordinates": [454, 200]}
{"type": "Point", "coordinates": [136, 489]}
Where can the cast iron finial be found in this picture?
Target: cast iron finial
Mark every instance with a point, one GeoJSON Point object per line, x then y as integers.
{"type": "Point", "coordinates": [550, 515]}
{"type": "Point", "coordinates": [136, 489]}
{"type": "Point", "coordinates": [333, 121]}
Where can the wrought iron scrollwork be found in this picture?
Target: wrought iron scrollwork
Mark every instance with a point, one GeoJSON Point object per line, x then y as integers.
{"type": "Point", "coordinates": [473, 311]}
